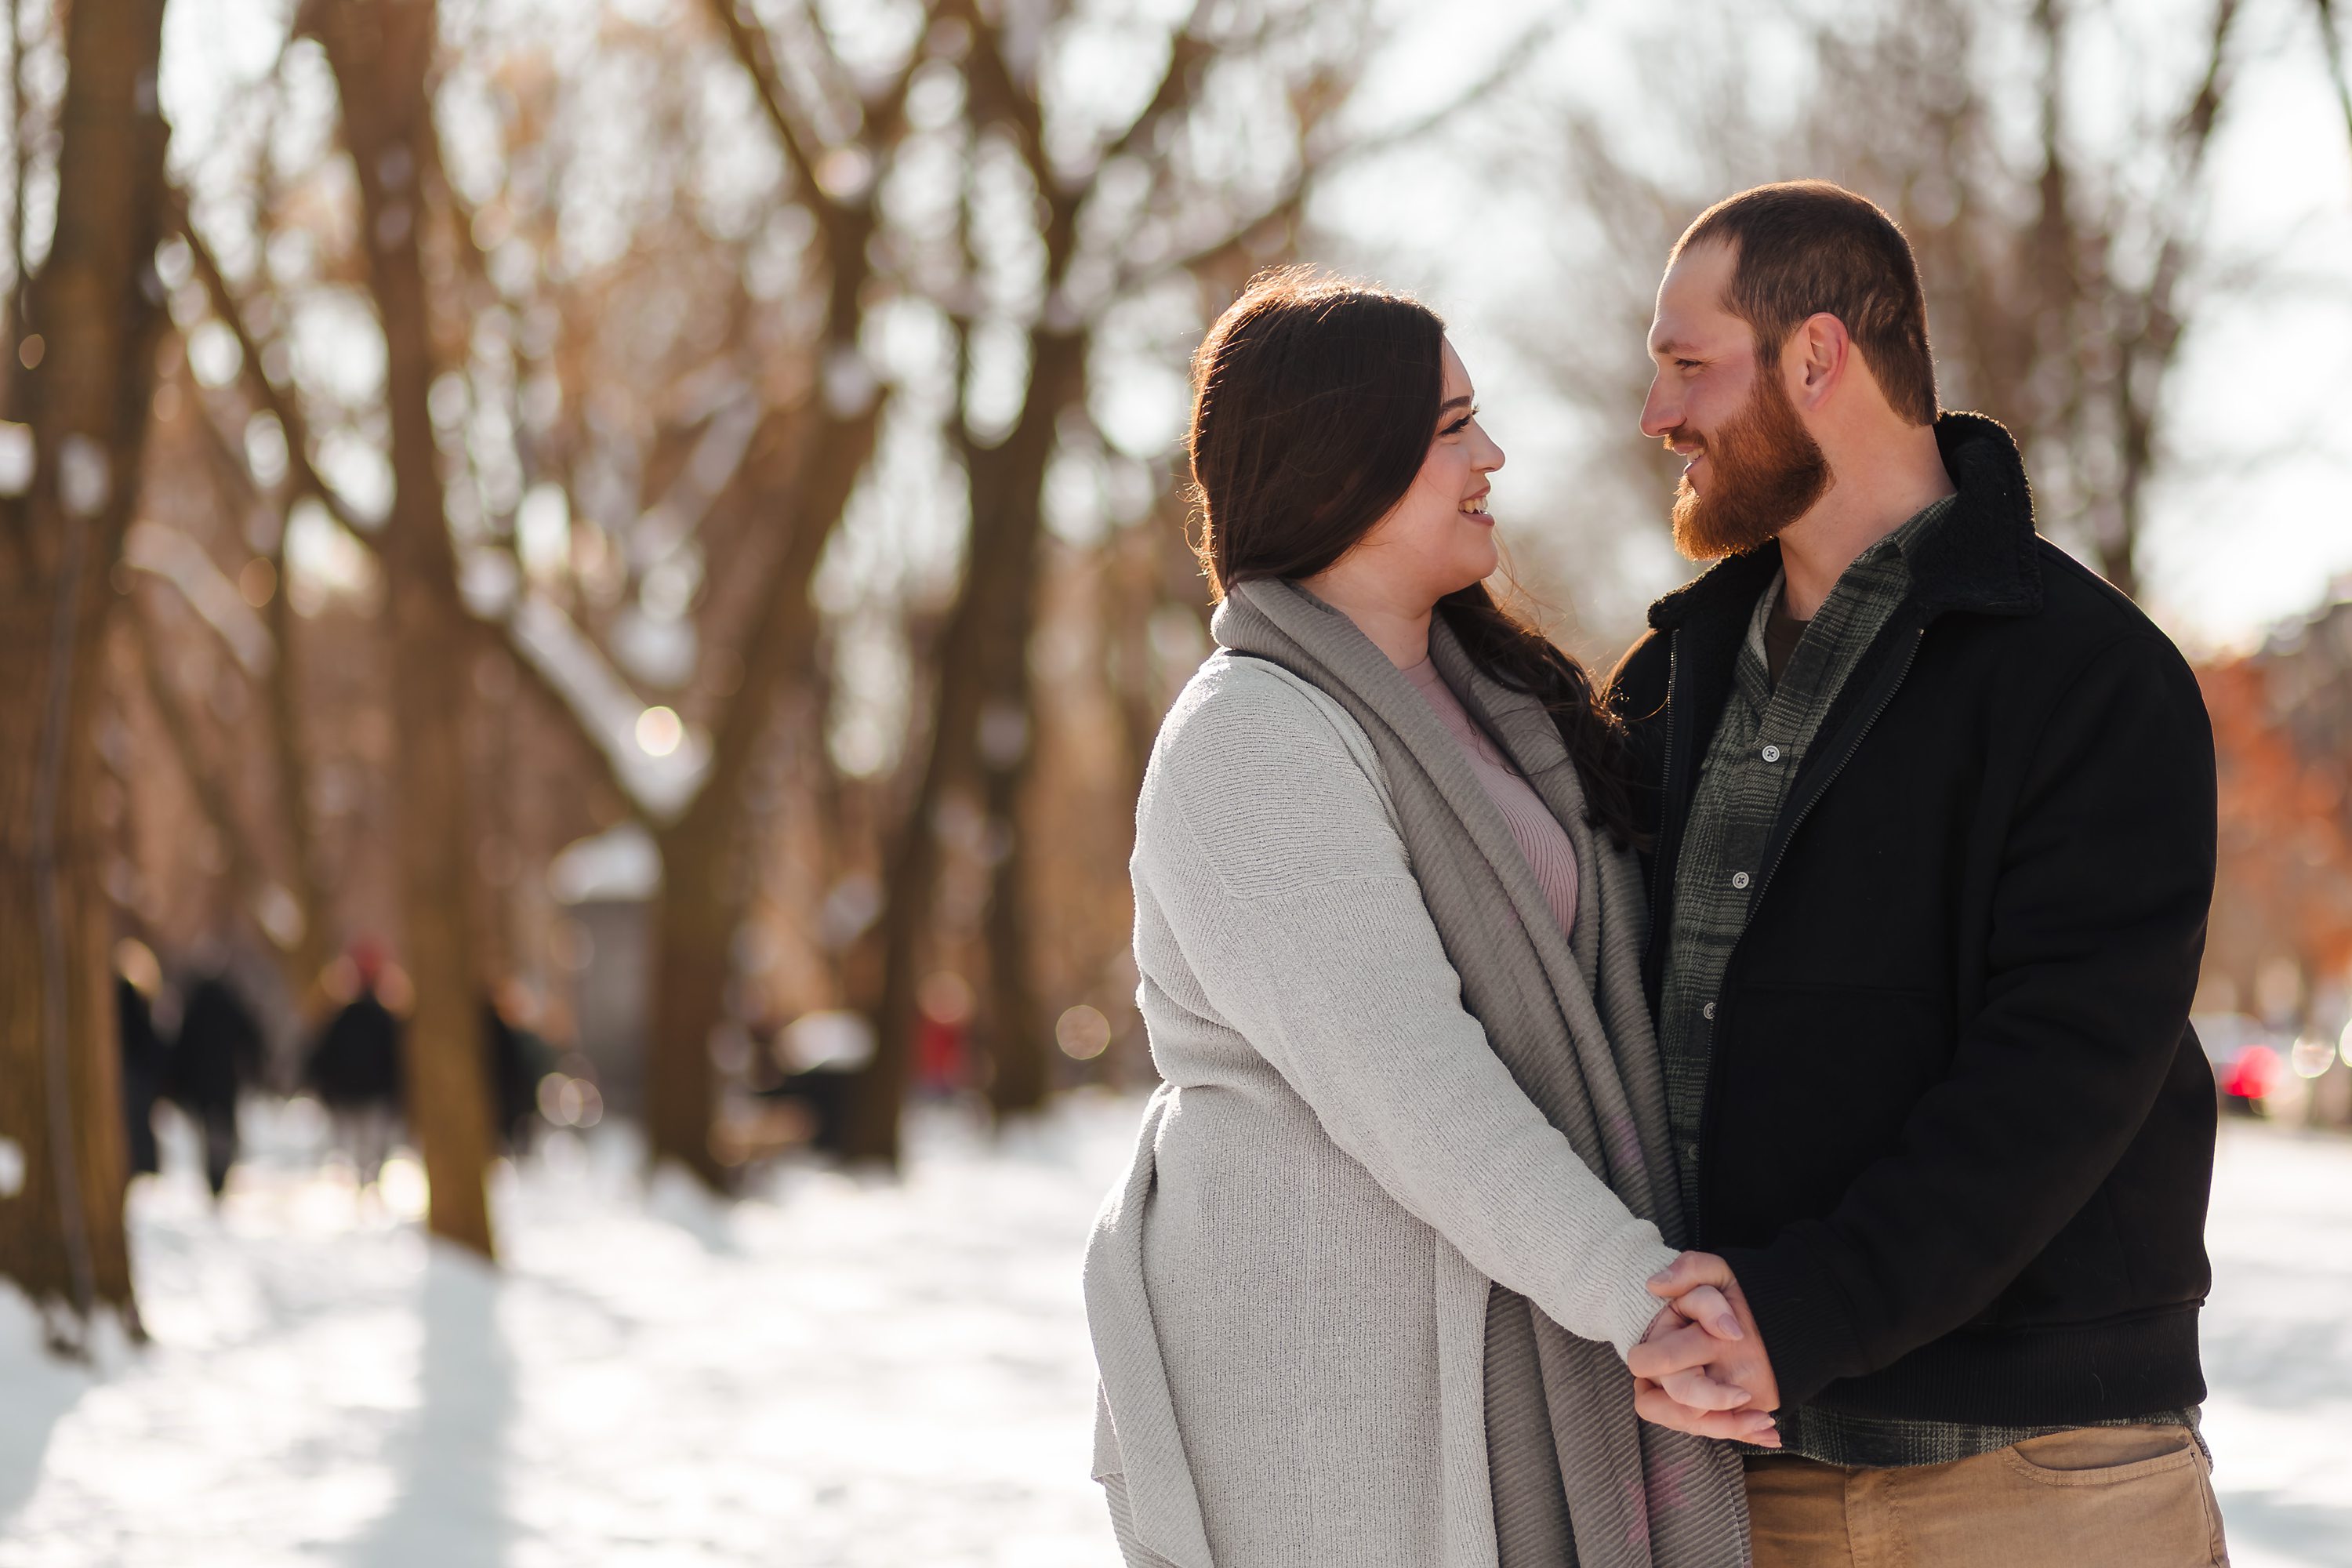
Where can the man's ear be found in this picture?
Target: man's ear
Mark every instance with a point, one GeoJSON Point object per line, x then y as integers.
{"type": "Point", "coordinates": [1821, 349]}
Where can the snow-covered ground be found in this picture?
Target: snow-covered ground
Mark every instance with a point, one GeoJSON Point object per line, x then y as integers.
{"type": "Point", "coordinates": [2278, 1345]}
{"type": "Point", "coordinates": [835, 1371]}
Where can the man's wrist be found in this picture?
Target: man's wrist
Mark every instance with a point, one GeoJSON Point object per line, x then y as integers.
{"type": "Point", "coordinates": [1799, 1311]}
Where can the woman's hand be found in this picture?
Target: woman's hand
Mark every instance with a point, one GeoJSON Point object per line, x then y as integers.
{"type": "Point", "coordinates": [1701, 1304]}
{"type": "Point", "coordinates": [1694, 1386]}
{"type": "Point", "coordinates": [1702, 1368]}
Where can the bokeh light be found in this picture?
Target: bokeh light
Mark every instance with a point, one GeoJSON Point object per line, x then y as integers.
{"type": "Point", "coordinates": [1083, 1033]}
{"type": "Point", "coordinates": [659, 731]}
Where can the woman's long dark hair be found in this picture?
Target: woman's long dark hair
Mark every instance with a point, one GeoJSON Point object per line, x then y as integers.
{"type": "Point", "coordinates": [1315, 400]}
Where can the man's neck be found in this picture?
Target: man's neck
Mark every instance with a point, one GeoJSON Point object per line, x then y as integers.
{"type": "Point", "coordinates": [1868, 500]}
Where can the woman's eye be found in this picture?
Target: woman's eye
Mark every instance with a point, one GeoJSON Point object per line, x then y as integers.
{"type": "Point", "coordinates": [1460, 424]}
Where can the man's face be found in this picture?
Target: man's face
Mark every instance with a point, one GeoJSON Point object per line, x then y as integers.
{"type": "Point", "coordinates": [1750, 467]}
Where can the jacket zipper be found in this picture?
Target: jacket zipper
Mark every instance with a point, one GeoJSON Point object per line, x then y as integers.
{"type": "Point", "coordinates": [1804, 809]}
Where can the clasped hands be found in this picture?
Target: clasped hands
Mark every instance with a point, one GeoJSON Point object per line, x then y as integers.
{"type": "Point", "coordinates": [1702, 1367]}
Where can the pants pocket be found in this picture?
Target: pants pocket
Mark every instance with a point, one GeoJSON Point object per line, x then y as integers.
{"type": "Point", "coordinates": [2102, 1497]}
{"type": "Point", "coordinates": [2103, 1456]}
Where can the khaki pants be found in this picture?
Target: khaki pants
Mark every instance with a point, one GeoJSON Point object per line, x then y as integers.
{"type": "Point", "coordinates": [2132, 1497]}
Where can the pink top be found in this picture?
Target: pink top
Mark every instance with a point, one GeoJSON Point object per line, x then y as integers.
{"type": "Point", "coordinates": [1541, 837]}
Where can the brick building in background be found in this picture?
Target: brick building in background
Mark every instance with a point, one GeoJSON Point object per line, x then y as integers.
{"type": "Point", "coordinates": [2278, 958]}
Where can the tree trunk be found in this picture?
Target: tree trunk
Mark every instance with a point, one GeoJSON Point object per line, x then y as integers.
{"type": "Point", "coordinates": [693, 929]}
{"type": "Point", "coordinates": [983, 662]}
{"type": "Point", "coordinates": [703, 895]}
{"type": "Point", "coordinates": [1006, 742]}
{"type": "Point", "coordinates": [61, 1236]}
{"type": "Point", "coordinates": [1019, 1061]}
{"type": "Point", "coordinates": [380, 51]}
{"type": "Point", "coordinates": [703, 898]}
{"type": "Point", "coordinates": [96, 303]}
{"type": "Point", "coordinates": [290, 757]}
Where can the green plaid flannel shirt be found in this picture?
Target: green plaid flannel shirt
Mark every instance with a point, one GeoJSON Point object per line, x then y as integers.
{"type": "Point", "coordinates": [1762, 738]}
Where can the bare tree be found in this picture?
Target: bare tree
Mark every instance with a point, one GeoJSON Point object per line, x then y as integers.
{"type": "Point", "coordinates": [89, 329]}
{"type": "Point", "coordinates": [790, 431]}
{"type": "Point", "coordinates": [382, 52]}
{"type": "Point", "coordinates": [696, 403]}
{"type": "Point", "coordinates": [1141, 199]}
{"type": "Point", "coordinates": [825, 450]}
{"type": "Point", "coordinates": [2060, 285]}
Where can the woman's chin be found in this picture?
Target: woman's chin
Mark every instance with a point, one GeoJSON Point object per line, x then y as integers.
{"type": "Point", "coordinates": [1464, 580]}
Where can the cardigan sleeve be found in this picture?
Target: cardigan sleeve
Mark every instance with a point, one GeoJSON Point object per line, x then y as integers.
{"type": "Point", "coordinates": [1271, 852]}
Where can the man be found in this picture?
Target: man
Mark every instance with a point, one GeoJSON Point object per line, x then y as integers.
{"type": "Point", "coordinates": [1932, 811]}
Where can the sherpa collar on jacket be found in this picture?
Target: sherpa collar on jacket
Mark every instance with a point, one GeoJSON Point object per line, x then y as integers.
{"type": "Point", "coordinates": [1979, 556]}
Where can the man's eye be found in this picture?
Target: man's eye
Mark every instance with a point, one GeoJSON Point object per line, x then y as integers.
{"type": "Point", "coordinates": [1685, 364]}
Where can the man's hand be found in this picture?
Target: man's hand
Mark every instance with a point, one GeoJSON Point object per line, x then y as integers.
{"type": "Point", "coordinates": [1704, 1347]}
{"type": "Point", "coordinates": [1694, 1386]}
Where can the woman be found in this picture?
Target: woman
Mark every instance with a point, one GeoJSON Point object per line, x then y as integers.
{"type": "Point", "coordinates": [1364, 1294]}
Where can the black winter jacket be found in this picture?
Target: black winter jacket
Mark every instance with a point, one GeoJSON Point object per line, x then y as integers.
{"type": "Point", "coordinates": [1958, 1137]}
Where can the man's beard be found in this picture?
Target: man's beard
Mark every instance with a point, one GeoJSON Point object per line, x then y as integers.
{"type": "Point", "coordinates": [1767, 473]}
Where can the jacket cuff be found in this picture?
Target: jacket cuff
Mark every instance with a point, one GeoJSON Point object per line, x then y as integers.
{"type": "Point", "coordinates": [1809, 1330]}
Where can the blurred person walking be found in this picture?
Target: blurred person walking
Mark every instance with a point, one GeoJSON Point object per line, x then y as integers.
{"type": "Point", "coordinates": [217, 1053]}
{"type": "Point", "coordinates": [354, 1068]}
{"type": "Point", "coordinates": [1932, 810]}
{"type": "Point", "coordinates": [516, 1058]}
{"type": "Point", "coordinates": [137, 979]}
{"type": "Point", "coordinates": [1364, 1294]}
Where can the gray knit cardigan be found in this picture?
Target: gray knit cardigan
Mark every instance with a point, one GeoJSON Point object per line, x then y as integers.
{"type": "Point", "coordinates": [1289, 1289]}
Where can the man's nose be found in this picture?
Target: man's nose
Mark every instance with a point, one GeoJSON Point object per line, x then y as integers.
{"type": "Point", "coordinates": [1661, 412]}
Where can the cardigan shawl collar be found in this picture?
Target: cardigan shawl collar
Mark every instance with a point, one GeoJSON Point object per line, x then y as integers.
{"type": "Point", "coordinates": [1566, 1015]}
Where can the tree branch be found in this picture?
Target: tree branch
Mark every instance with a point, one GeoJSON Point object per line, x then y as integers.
{"type": "Point", "coordinates": [287, 408]}
{"type": "Point", "coordinates": [2332, 42]}
{"type": "Point", "coordinates": [1187, 51]}
{"type": "Point", "coordinates": [203, 780]}
{"type": "Point", "coordinates": [1288, 204]}
{"type": "Point", "coordinates": [2153, 336]}
{"type": "Point", "coordinates": [498, 634]}
{"type": "Point", "coordinates": [746, 37]}
{"type": "Point", "coordinates": [20, 145]}
{"type": "Point", "coordinates": [750, 43]}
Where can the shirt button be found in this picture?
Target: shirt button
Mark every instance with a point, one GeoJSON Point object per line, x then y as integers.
{"type": "Point", "coordinates": [1739, 879]}
{"type": "Point", "coordinates": [1707, 1011]}
{"type": "Point", "coordinates": [1771, 753]}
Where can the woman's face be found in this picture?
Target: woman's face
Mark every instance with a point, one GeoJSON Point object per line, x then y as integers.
{"type": "Point", "coordinates": [1439, 539]}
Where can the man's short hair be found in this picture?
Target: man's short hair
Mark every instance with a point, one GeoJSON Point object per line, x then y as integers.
{"type": "Point", "coordinates": [1806, 246]}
